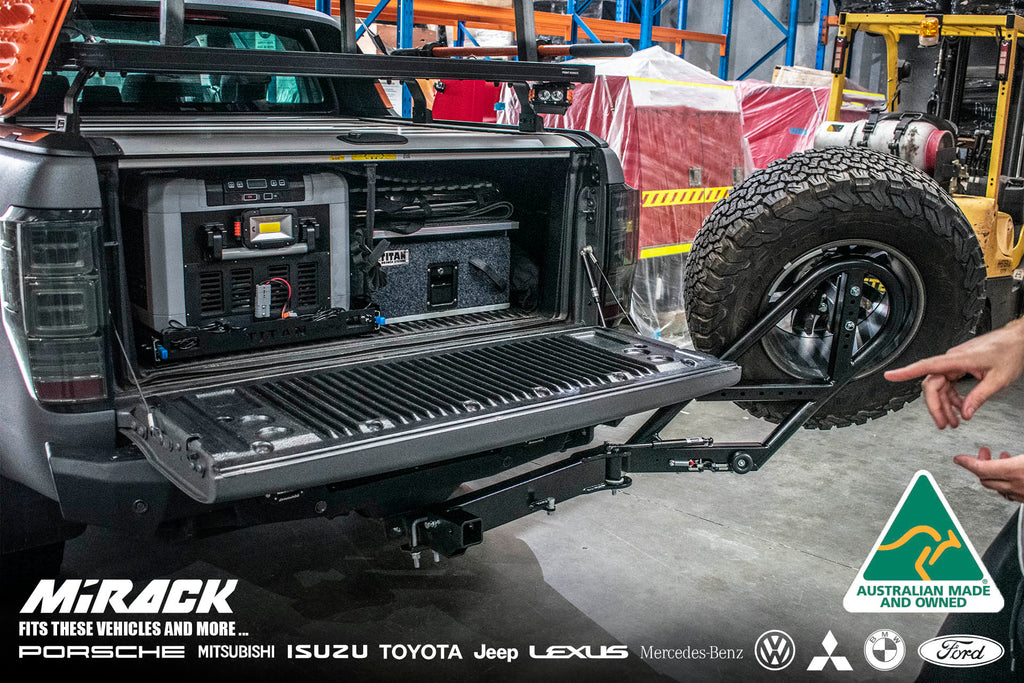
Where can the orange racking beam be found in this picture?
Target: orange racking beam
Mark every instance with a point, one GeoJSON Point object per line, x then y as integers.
{"type": "Point", "coordinates": [448, 13]}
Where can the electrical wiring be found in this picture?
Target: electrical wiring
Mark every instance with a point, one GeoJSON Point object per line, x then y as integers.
{"type": "Point", "coordinates": [185, 343]}
{"type": "Point", "coordinates": [323, 314]}
{"type": "Point", "coordinates": [281, 280]}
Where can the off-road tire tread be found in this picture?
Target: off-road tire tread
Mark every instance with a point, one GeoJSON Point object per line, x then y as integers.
{"type": "Point", "coordinates": [803, 185]}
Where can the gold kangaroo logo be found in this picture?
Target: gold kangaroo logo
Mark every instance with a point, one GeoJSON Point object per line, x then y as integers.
{"type": "Point", "coordinates": [953, 542]}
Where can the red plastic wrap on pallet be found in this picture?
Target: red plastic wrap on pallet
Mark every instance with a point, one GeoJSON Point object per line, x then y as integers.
{"type": "Point", "coordinates": [779, 120]}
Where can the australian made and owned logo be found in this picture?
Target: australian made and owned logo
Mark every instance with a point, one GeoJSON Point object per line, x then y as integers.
{"type": "Point", "coordinates": [923, 561]}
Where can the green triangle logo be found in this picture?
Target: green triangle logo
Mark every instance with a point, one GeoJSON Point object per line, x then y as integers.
{"type": "Point", "coordinates": [923, 561]}
{"type": "Point", "coordinates": [922, 542]}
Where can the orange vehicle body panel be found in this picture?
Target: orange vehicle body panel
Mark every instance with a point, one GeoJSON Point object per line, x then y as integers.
{"type": "Point", "coordinates": [28, 31]}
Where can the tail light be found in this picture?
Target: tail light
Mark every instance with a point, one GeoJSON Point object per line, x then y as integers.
{"type": "Point", "coordinates": [623, 245]}
{"type": "Point", "coordinates": [53, 302]}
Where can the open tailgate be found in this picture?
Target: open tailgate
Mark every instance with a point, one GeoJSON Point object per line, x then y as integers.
{"type": "Point", "coordinates": [342, 422]}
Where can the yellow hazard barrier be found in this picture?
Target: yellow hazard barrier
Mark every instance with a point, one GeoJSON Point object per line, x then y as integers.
{"type": "Point", "coordinates": [667, 250]}
{"type": "Point", "coordinates": [688, 195]}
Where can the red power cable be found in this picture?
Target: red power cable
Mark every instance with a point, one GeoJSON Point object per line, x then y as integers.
{"type": "Point", "coordinates": [289, 286]}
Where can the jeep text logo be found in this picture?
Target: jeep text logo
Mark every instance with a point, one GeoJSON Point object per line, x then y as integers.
{"type": "Point", "coordinates": [160, 596]}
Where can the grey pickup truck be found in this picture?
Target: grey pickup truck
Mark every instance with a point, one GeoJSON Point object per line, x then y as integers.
{"type": "Point", "coordinates": [239, 289]}
{"type": "Point", "coordinates": [233, 295]}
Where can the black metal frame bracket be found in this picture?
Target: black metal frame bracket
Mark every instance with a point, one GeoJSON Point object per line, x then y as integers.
{"type": "Point", "coordinates": [645, 452]}
{"type": "Point", "coordinates": [529, 120]}
{"type": "Point", "coordinates": [459, 523]}
{"type": "Point", "coordinates": [172, 22]}
{"type": "Point", "coordinates": [69, 120]}
{"type": "Point", "coordinates": [171, 57]}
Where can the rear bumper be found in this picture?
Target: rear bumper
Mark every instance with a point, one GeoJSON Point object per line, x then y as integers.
{"type": "Point", "coordinates": [121, 490]}
{"type": "Point", "coordinates": [116, 489]}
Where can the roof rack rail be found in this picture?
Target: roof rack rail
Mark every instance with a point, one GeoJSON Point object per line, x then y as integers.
{"type": "Point", "coordinates": [167, 59]}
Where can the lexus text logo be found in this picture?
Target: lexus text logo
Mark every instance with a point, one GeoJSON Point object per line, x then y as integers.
{"type": "Point", "coordinates": [774, 650]}
{"type": "Point", "coordinates": [584, 652]}
{"type": "Point", "coordinates": [960, 651]}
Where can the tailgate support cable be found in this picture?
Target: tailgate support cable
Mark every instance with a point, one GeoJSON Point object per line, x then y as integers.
{"type": "Point", "coordinates": [150, 421]}
{"type": "Point", "coordinates": [588, 253]}
{"type": "Point", "coordinates": [594, 293]}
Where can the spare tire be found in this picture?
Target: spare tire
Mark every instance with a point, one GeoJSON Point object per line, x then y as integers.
{"type": "Point", "coordinates": [797, 215]}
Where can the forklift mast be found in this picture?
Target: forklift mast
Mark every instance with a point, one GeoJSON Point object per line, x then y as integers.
{"type": "Point", "coordinates": [956, 29]}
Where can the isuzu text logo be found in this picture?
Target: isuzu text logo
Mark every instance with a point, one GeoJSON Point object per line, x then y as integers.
{"type": "Point", "coordinates": [160, 596]}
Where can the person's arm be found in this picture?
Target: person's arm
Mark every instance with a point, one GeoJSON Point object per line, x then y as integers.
{"type": "Point", "coordinates": [996, 358]}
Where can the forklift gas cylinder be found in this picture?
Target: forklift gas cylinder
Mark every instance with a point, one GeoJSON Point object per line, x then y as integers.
{"type": "Point", "coordinates": [916, 141]}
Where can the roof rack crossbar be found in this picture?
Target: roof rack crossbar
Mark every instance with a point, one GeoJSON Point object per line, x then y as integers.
{"type": "Point", "coordinates": [116, 57]}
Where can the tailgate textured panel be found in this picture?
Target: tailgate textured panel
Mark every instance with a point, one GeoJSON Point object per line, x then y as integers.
{"type": "Point", "coordinates": [407, 392]}
{"type": "Point", "coordinates": [378, 416]}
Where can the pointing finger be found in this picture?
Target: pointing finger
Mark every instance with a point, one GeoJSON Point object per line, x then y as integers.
{"type": "Point", "coordinates": [928, 366]}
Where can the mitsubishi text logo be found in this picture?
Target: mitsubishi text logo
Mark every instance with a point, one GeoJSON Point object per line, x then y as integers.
{"type": "Point", "coordinates": [774, 650]}
{"type": "Point", "coordinates": [839, 662]}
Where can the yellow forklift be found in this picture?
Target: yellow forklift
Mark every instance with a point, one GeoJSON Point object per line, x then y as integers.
{"type": "Point", "coordinates": [982, 169]}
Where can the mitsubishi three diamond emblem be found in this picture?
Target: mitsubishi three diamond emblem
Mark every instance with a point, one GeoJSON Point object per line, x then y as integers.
{"type": "Point", "coordinates": [838, 661]}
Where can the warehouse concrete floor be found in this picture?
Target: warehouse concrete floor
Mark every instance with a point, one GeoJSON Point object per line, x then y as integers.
{"type": "Point", "coordinates": [676, 561]}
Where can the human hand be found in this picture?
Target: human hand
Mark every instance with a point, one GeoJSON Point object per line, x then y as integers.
{"type": "Point", "coordinates": [1004, 475]}
{"type": "Point", "coordinates": [996, 358]}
